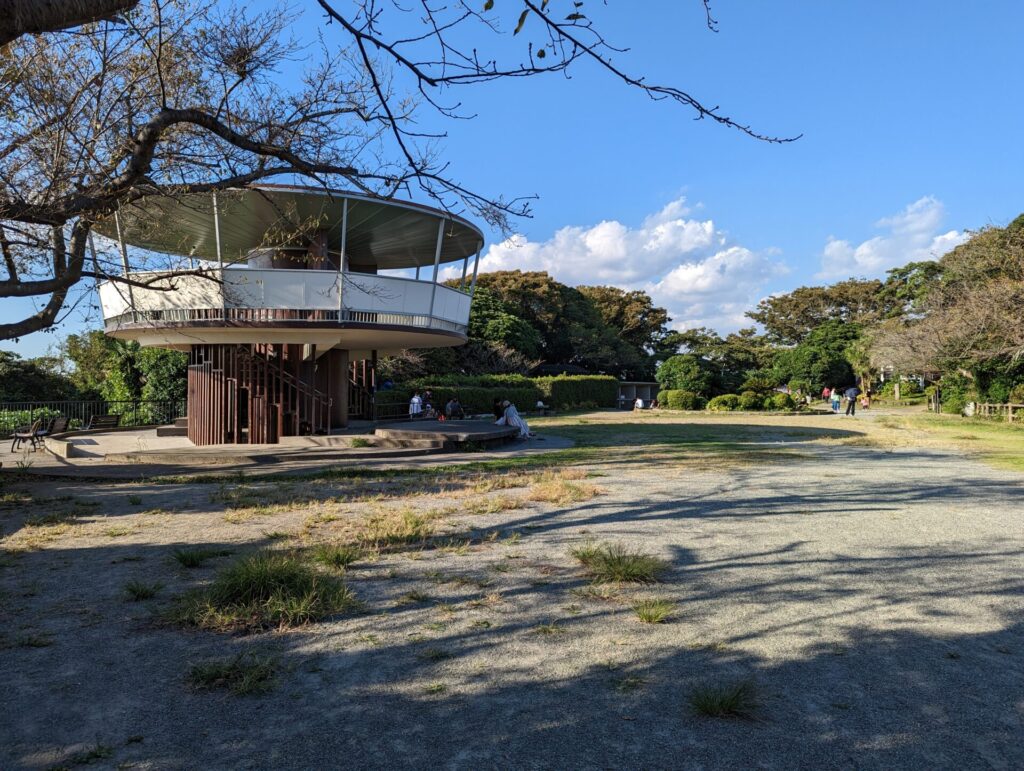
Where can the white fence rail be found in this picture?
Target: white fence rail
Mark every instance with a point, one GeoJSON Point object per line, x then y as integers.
{"type": "Point", "coordinates": [304, 295]}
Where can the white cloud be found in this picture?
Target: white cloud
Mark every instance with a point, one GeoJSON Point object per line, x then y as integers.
{"type": "Point", "coordinates": [686, 264]}
{"type": "Point", "coordinates": [911, 235]}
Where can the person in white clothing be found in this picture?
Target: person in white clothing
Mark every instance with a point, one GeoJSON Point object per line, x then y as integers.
{"type": "Point", "coordinates": [511, 417]}
{"type": "Point", "coordinates": [415, 406]}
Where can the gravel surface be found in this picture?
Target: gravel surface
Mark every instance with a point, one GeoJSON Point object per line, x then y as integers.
{"type": "Point", "coordinates": [873, 597]}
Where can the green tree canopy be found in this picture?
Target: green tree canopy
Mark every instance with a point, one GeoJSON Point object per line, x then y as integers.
{"type": "Point", "coordinates": [686, 372]}
{"type": "Point", "coordinates": [820, 359]}
{"type": "Point", "coordinates": [789, 318]}
{"type": "Point", "coordinates": [41, 379]}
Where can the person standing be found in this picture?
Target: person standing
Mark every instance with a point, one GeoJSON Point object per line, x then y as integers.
{"type": "Point", "coordinates": [826, 394]}
{"type": "Point", "coordinates": [415, 406]}
{"type": "Point", "coordinates": [835, 397]}
{"type": "Point", "coordinates": [851, 395]}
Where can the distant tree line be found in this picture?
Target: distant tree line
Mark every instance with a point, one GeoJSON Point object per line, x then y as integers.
{"type": "Point", "coordinates": [957, 321]}
{"type": "Point", "coordinates": [527, 322]}
{"type": "Point", "coordinates": [93, 367]}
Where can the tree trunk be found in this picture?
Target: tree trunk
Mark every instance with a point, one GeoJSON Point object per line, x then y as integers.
{"type": "Point", "coordinates": [21, 17]}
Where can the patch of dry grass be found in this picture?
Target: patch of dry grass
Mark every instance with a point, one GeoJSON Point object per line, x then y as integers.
{"type": "Point", "coordinates": [494, 505]}
{"type": "Point", "coordinates": [562, 487]}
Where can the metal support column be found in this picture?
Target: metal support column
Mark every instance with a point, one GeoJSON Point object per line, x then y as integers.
{"type": "Point", "coordinates": [343, 262]}
{"type": "Point", "coordinates": [476, 267]}
{"type": "Point", "coordinates": [437, 261]}
{"type": "Point", "coordinates": [220, 258]}
{"type": "Point", "coordinates": [124, 258]}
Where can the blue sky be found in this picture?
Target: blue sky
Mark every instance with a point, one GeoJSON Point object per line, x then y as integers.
{"type": "Point", "coordinates": [911, 123]}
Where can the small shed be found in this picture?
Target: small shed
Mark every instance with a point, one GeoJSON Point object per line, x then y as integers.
{"type": "Point", "coordinates": [631, 390]}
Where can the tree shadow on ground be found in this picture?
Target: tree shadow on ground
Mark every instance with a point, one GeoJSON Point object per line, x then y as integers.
{"type": "Point", "coordinates": [836, 688]}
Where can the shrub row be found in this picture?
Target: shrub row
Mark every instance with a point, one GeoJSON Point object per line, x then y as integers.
{"type": "Point", "coordinates": [571, 391]}
{"type": "Point", "coordinates": [477, 393]}
{"type": "Point", "coordinates": [751, 400]}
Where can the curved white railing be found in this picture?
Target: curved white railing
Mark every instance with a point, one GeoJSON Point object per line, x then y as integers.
{"type": "Point", "coordinates": [246, 294]}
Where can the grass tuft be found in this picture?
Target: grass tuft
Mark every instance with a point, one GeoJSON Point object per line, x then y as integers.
{"type": "Point", "coordinates": [732, 700]}
{"type": "Point", "coordinates": [613, 563]}
{"type": "Point", "coordinates": [337, 556]}
{"type": "Point", "coordinates": [242, 674]}
{"type": "Point", "coordinates": [395, 528]}
{"type": "Point", "coordinates": [360, 442]}
{"type": "Point", "coordinates": [194, 558]}
{"type": "Point", "coordinates": [140, 590]}
{"type": "Point", "coordinates": [262, 591]}
{"type": "Point", "coordinates": [653, 611]}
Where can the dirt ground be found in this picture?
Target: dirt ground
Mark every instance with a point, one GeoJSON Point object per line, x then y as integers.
{"type": "Point", "coordinates": [865, 581]}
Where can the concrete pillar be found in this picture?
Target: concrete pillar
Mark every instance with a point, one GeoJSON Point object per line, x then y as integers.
{"type": "Point", "coordinates": [335, 368]}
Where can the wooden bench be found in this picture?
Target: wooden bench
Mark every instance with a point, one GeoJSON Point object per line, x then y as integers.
{"type": "Point", "coordinates": [100, 422]}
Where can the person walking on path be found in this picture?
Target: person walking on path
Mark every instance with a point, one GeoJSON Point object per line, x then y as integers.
{"type": "Point", "coordinates": [825, 394]}
{"type": "Point", "coordinates": [835, 397]}
{"type": "Point", "coordinates": [851, 395]}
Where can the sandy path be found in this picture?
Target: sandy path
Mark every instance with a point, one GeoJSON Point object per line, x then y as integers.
{"type": "Point", "coordinates": [874, 597]}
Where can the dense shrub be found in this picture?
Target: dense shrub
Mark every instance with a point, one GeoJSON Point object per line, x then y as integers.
{"type": "Point", "coordinates": [683, 400]}
{"type": "Point", "coordinates": [663, 398]}
{"type": "Point", "coordinates": [956, 390]}
{"type": "Point", "coordinates": [569, 391]}
{"type": "Point", "coordinates": [1017, 394]}
{"type": "Point", "coordinates": [751, 400]}
{"type": "Point", "coordinates": [780, 402]}
{"type": "Point", "coordinates": [724, 403]}
{"type": "Point", "coordinates": [910, 388]}
{"type": "Point", "coordinates": [11, 420]}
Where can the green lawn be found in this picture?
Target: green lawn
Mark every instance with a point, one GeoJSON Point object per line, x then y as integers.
{"type": "Point", "coordinates": [1000, 444]}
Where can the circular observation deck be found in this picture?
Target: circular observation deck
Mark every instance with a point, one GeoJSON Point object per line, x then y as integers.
{"type": "Point", "coordinates": [292, 265]}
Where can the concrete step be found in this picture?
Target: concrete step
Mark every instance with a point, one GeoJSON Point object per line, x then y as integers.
{"type": "Point", "coordinates": [181, 422]}
{"type": "Point", "coordinates": [229, 455]}
{"type": "Point", "coordinates": [346, 441]}
{"type": "Point", "coordinates": [172, 430]}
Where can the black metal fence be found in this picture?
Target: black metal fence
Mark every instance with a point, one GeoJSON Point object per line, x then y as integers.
{"type": "Point", "coordinates": [14, 415]}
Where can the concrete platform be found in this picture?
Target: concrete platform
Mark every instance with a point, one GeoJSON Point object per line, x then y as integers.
{"type": "Point", "coordinates": [143, 451]}
{"type": "Point", "coordinates": [141, 454]}
{"type": "Point", "coordinates": [450, 432]}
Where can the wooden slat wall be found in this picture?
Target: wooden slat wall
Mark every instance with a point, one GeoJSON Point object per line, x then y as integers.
{"type": "Point", "coordinates": [245, 394]}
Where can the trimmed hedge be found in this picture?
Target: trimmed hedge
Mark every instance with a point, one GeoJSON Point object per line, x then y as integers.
{"type": "Point", "coordinates": [478, 392]}
{"type": "Point", "coordinates": [751, 401]}
{"type": "Point", "coordinates": [724, 403]}
{"type": "Point", "coordinates": [678, 399]}
{"type": "Point", "coordinates": [570, 391]}
{"type": "Point", "coordinates": [475, 399]}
